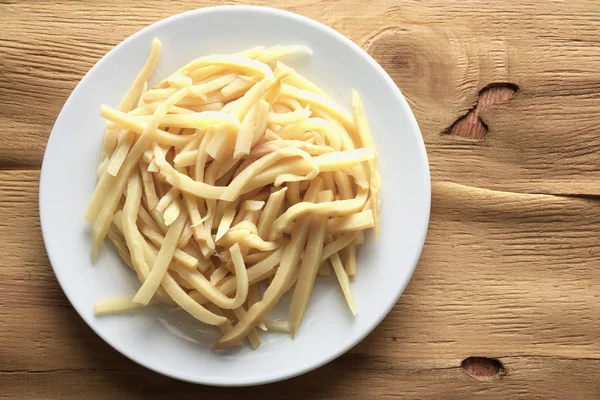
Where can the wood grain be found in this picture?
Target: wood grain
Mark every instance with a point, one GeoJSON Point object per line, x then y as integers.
{"type": "Point", "coordinates": [440, 54]}
{"type": "Point", "coordinates": [509, 271]}
{"type": "Point", "coordinates": [516, 282]}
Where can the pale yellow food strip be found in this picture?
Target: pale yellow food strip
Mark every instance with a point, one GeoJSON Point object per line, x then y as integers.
{"type": "Point", "coordinates": [351, 223]}
{"type": "Point", "coordinates": [203, 73]}
{"type": "Point", "coordinates": [280, 108]}
{"type": "Point", "coordinates": [133, 238]}
{"type": "Point", "coordinates": [225, 179]}
{"type": "Point", "coordinates": [225, 223]}
{"type": "Point", "coordinates": [252, 295]}
{"type": "Point", "coordinates": [330, 183]}
{"type": "Point", "coordinates": [182, 299]}
{"type": "Point", "coordinates": [330, 208]}
{"type": "Point", "coordinates": [324, 163]}
{"type": "Point", "coordinates": [245, 225]}
{"type": "Point", "coordinates": [277, 52]}
{"type": "Point", "coordinates": [157, 239]}
{"type": "Point", "coordinates": [235, 187]}
{"type": "Point", "coordinates": [234, 62]}
{"type": "Point", "coordinates": [119, 304]}
{"type": "Point", "coordinates": [248, 239]}
{"type": "Point", "coordinates": [201, 120]}
{"type": "Point", "coordinates": [252, 205]}
{"type": "Point", "coordinates": [320, 125]}
{"type": "Point", "coordinates": [149, 188]}
{"type": "Point", "coordinates": [204, 265]}
{"type": "Point", "coordinates": [252, 300]}
{"type": "Point", "coordinates": [299, 81]}
{"type": "Point", "coordinates": [349, 254]}
{"type": "Point", "coordinates": [194, 99]}
{"type": "Point", "coordinates": [317, 101]}
{"type": "Point", "coordinates": [197, 225]}
{"type": "Point", "coordinates": [161, 264]}
{"type": "Point", "coordinates": [343, 184]}
{"type": "Point", "coordinates": [271, 212]}
{"type": "Point", "coordinates": [186, 235]}
{"type": "Point", "coordinates": [216, 106]}
{"type": "Point", "coordinates": [201, 158]}
{"type": "Point", "coordinates": [178, 80]}
{"type": "Point", "coordinates": [342, 159]}
{"type": "Point", "coordinates": [252, 129]}
{"type": "Point", "coordinates": [261, 122]}
{"type": "Point", "coordinates": [214, 295]}
{"type": "Point", "coordinates": [145, 216]}
{"type": "Point", "coordinates": [184, 182]}
{"type": "Point", "coordinates": [293, 193]}
{"type": "Point", "coordinates": [195, 120]}
{"type": "Point", "coordinates": [274, 91]}
{"type": "Point", "coordinates": [185, 158]}
{"type": "Point", "coordinates": [343, 130]}
{"type": "Point", "coordinates": [221, 145]}
{"type": "Point", "coordinates": [337, 245]}
{"type": "Point", "coordinates": [360, 120]}
{"type": "Point", "coordinates": [308, 272]}
{"type": "Point", "coordinates": [290, 103]}
{"type": "Point", "coordinates": [102, 167]}
{"type": "Point", "coordinates": [241, 166]}
{"type": "Point", "coordinates": [110, 188]}
{"type": "Point", "coordinates": [180, 281]}
{"type": "Point", "coordinates": [265, 148]}
{"type": "Point", "coordinates": [277, 326]}
{"type": "Point", "coordinates": [120, 246]}
{"type": "Point", "coordinates": [256, 272]}
{"type": "Point", "coordinates": [253, 336]}
{"type": "Point", "coordinates": [138, 125]}
{"type": "Point", "coordinates": [246, 134]}
{"type": "Point", "coordinates": [172, 212]}
{"type": "Point", "coordinates": [257, 257]}
{"type": "Point", "coordinates": [133, 93]}
{"type": "Point", "coordinates": [227, 326]}
{"type": "Point", "coordinates": [237, 88]}
{"type": "Point", "coordinates": [284, 272]}
{"type": "Point", "coordinates": [214, 84]}
{"type": "Point", "coordinates": [125, 140]}
{"type": "Point", "coordinates": [289, 118]}
{"type": "Point", "coordinates": [171, 195]}
{"type": "Point", "coordinates": [194, 143]}
{"type": "Point", "coordinates": [219, 274]}
{"type": "Point", "coordinates": [242, 106]}
{"type": "Point", "coordinates": [340, 273]}
{"type": "Point", "coordinates": [149, 108]}
{"type": "Point", "coordinates": [180, 255]}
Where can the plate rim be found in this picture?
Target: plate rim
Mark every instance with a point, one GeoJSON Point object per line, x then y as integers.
{"type": "Point", "coordinates": [273, 377]}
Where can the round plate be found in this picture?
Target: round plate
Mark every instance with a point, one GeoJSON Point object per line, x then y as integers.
{"type": "Point", "coordinates": [175, 344]}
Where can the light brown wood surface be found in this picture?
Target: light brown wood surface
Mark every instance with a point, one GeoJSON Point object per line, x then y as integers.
{"type": "Point", "coordinates": [510, 270]}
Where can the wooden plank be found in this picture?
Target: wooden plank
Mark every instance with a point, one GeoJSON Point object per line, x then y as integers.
{"type": "Point", "coordinates": [503, 275]}
{"type": "Point", "coordinates": [441, 55]}
{"type": "Point", "coordinates": [351, 377]}
{"type": "Point", "coordinates": [533, 144]}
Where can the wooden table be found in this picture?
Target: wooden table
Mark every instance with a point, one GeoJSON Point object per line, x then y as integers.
{"type": "Point", "coordinates": [511, 267]}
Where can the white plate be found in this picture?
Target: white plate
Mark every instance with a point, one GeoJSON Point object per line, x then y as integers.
{"type": "Point", "coordinates": [175, 344]}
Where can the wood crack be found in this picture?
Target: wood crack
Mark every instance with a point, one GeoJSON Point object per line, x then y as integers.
{"type": "Point", "coordinates": [470, 126]}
